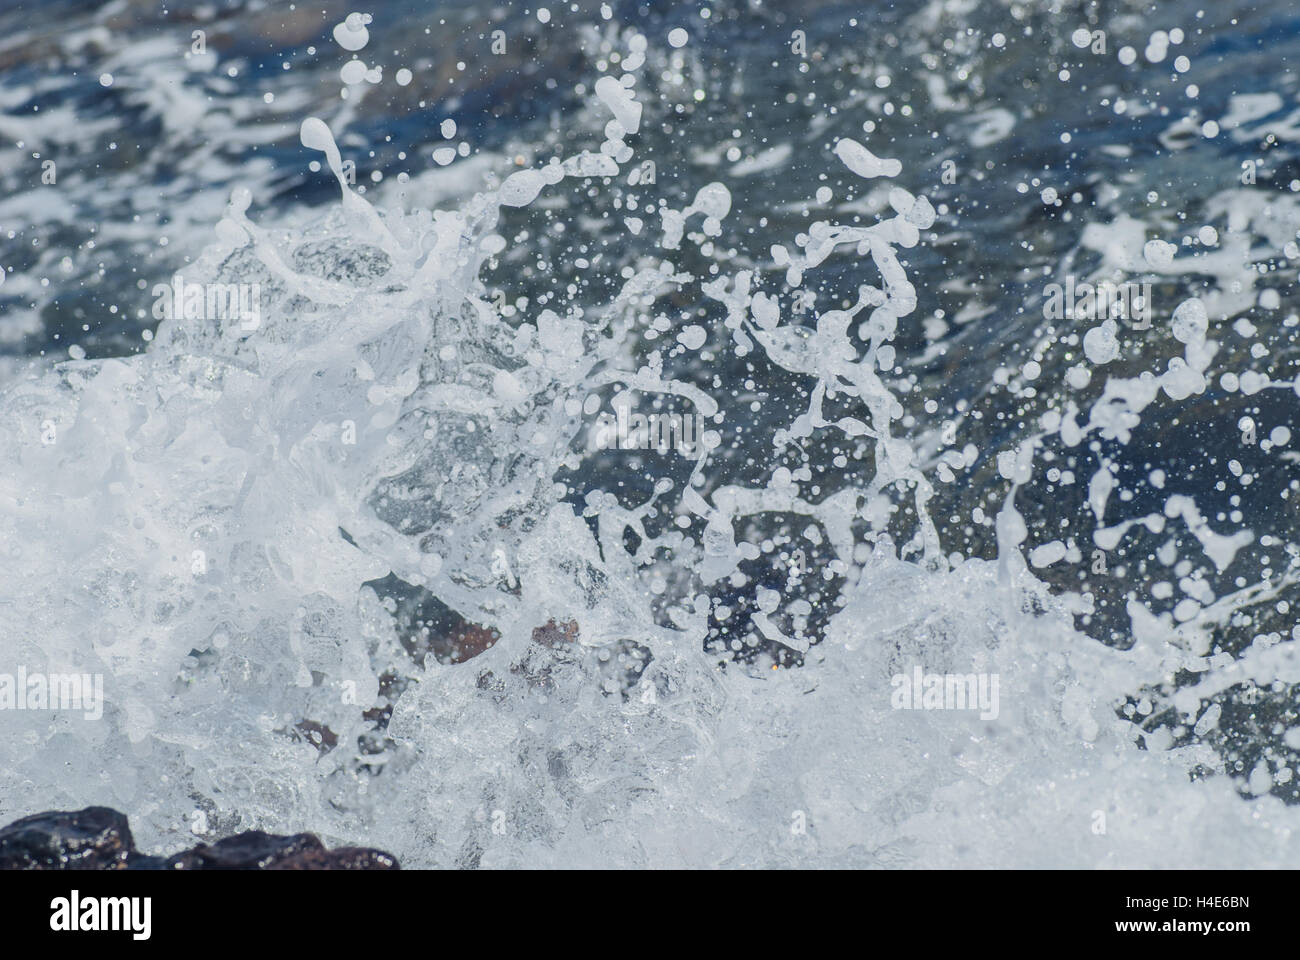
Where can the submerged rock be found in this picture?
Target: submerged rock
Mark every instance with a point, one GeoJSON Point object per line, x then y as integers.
{"type": "Point", "coordinates": [99, 838]}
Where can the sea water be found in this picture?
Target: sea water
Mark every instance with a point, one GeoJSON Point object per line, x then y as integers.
{"type": "Point", "coordinates": [683, 657]}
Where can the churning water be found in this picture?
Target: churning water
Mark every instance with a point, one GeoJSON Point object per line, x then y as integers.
{"type": "Point", "coordinates": [615, 434]}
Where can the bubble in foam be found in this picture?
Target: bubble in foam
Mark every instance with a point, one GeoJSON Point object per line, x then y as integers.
{"type": "Point", "coordinates": [863, 162]}
{"type": "Point", "coordinates": [1100, 344]}
{"type": "Point", "coordinates": [1048, 554]}
{"type": "Point", "coordinates": [315, 135]}
{"type": "Point", "coordinates": [353, 72]}
{"type": "Point", "coordinates": [692, 337]}
{"type": "Point", "coordinates": [507, 387]}
{"type": "Point", "coordinates": [636, 46]}
{"type": "Point", "coordinates": [522, 188]}
{"type": "Point", "coordinates": [352, 34]}
{"type": "Point", "coordinates": [1159, 253]}
{"type": "Point", "coordinates": [621, 101]}
{"type": "Point", "coordinates": [1190, 321]}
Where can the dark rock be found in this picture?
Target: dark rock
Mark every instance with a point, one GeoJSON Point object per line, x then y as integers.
{"type": "Point", "coordinates": [98, 838]}
{"type": "Point", "coordinates": [554, 634]}
{"type": "Point", "coordinates": [255, 850]}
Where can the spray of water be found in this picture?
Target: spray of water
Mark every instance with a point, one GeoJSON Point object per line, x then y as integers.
{"type": "Point", "coordinates": [209, 524]}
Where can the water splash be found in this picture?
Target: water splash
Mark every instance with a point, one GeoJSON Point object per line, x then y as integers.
{"type": "Point", "coordinates": [221, 511]}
